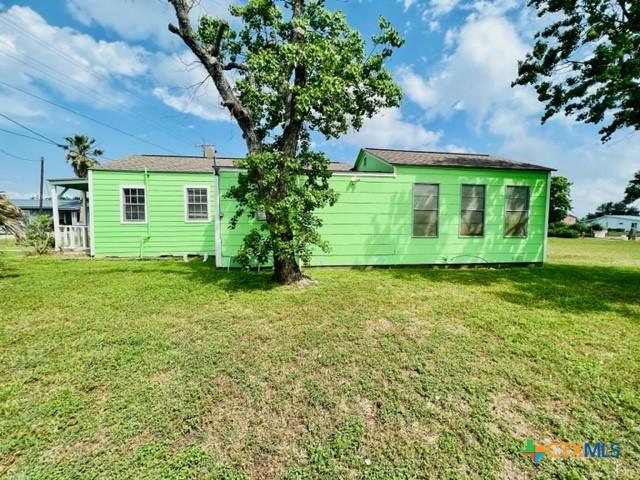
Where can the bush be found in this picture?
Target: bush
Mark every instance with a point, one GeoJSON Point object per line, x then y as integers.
{"type": "Point", "coordinates": [563, 231]}
{"type": "Point", "coordinates": [38, 234]}
{"type": "Point", "coordinates": [579, 229]}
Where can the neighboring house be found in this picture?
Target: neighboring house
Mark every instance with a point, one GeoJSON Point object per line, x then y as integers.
{"type": "Point", "coordinates": [395, 207]}
{"type": "Point", "coordinates": [570, 220]}
{"type": "Point", "coordinates": [68, 210]}
{"type": "Point", "coordinates": [616, 222]}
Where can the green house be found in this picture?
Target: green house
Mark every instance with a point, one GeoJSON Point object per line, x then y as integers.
{"type": "Point", "coordinates": [395, 208]}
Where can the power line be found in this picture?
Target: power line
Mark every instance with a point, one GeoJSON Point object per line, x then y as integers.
{"type": "Point", "coordinates": [89, 93]}
{"type": "Point", "coordinates": [29, 129]}
{"type": "Point", "coordinates": [94, 74]}
{"type": "Point", "coordinates": [17, 157]}
{"type": "Point", "coordinates": [24, 136]}
{"type": "Point", "coordinates": [99, 122]}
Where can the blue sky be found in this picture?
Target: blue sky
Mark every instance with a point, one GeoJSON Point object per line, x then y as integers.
{"type": "Point", "coordinates": [115, 62]}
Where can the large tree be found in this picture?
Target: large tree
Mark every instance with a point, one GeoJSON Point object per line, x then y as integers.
{"type": "Point", "coordinates": [560, 198]}
{"type": "Point", "coordinates": [632, 192]}
{"type": "Point", "coordinates": [586, 62]}
{"type": "Point", "coordinates": [81, 154]}
{"type": "Point", "coordinates": [292, 68]}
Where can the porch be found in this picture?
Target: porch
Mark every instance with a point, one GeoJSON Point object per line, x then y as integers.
{"type": "Point", "coordinates": [74, 237]}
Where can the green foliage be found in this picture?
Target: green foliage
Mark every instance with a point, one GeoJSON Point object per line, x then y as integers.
{"type": "Point", "coordinates": [11, 218]}
{"type": "Point", "coordinates": [585, 62]}
{"type": "Point", "coordinates": [632, 192]}
{"type": "Point", "coordinates": [577, 230]}
{"type": "Point", "coordinates": [256, 191]}
{"type": "Point", "coordinates": [560, 198]}
{"type": "Point", "coordinates": [81, 154]}
{"type": "Point", "coordinates": [596, 227]}
{"type": "Point", "coordinates": [39, 234]}
{"type": "Point", "coordinates": [614, 208]}
{"type": "Point", "coordinates": [300, 70]}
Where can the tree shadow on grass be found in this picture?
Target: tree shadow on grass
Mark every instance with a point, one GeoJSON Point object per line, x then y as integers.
{"type": "Point", "coordinates": [232, 280]}
{"type": "Point", "coordinates": [203, 272]}
{"type": "Point", "coordinates": [567, 288]}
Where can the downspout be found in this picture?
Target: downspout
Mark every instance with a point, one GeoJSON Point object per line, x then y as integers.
{"type": "Point", "coordinates": [546, 218]}
{"type": "Point", "coordinates": [217, 225]}
{"type": "Point", "coordinates": [90, 213]}
{"type": "Point", "coordinates": [146, 209]}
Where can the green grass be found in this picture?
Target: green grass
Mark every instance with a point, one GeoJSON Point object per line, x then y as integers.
{"type": "Point", "coordinates": [163, 369]}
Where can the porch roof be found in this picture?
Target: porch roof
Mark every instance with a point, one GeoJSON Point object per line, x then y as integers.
{"type": "Point", "coordinates": [72, 183]}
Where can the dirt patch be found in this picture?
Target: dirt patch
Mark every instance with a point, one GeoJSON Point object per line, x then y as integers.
{"type": "Point", "coordinates": [510, 413]}
{"type": "Point", "coordinates": [511, 470]}
{"type": "Point", "coordinates": [258, 438]}
{"type": "Point", "coordinates": [378, 325]}
{"type": "Point", "coordinates": [60, 453]}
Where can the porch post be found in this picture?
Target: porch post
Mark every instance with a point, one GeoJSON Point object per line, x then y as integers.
{"type": "Point", "coordinates": [56, 216]}
{"type": "Point", "coordinates": [83, 207]}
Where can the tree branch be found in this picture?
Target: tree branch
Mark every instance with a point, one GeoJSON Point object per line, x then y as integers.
{"type": "Point", "coordinates": [235, 66]}
{"type": "Point", "coordinates": [210, 60]}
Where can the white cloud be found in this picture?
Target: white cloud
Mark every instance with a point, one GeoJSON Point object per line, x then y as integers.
{"type": "Point", "coordinates": [442, 7]}
{"type": "Point", "coordinates": [490, 8]}
{"type": "Point", "coordinates": [180, 86]}
{"type": "Point", "coordinates": [94, 72]}
{"type": "Point", "coordinates": [140, 19]}
{"type": "Point", "coordinates": [408, 4]}
{"type": "Point", "coordinates": [388, 129]}
{"type": "Point", "coordinates": [476, 77]}
{"type": "Point", "coordinates": [77, 66]}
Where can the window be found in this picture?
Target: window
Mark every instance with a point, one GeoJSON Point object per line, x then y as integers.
{"type": "Point", "coordinates": [472, 210]}
{"type": "Point", "coordinates": [197, 204]}
{"type": "Point", "coordinates": [516, 217]}
{"type": "Point", "coordinates": [425, 210]}
{"type": "Point", "coordinates": [133, 205]}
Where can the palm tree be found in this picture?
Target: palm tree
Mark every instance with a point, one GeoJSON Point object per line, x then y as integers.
{"type": "Point", "coordinates": [11, 217]}
{"type": "Point", "coordinates": [81, 154]}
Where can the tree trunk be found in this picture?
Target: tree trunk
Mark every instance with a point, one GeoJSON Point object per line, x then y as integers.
{"type": "Point", "coordinates": [286, 270]}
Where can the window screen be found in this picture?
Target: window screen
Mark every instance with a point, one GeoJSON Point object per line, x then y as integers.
{"type": "Point", "coordinates": [472, 210]}
{"type": "Point", "coordinates": [197, 204]}
{"type": "Point", "coordinates": [425, 210]}
{"type": "Point", "coordinates": [516, 217]}
{"type": "Point", "coordinates": [133, 205]}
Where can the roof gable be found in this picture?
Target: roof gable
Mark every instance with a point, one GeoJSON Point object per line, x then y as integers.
{"type": "Point", "coordinates": [449, 159]}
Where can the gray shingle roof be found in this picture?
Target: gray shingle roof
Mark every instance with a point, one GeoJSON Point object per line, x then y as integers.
{"type": "Point", "coordinates": [165, 163]}
{"type": "Point", "coordinates": [182, 164]}
{"type": "Point", "coordinates": [449, 159]}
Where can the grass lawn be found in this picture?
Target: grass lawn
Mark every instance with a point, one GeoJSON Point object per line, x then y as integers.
{"type": "Point", "coordinates": [164, 369]}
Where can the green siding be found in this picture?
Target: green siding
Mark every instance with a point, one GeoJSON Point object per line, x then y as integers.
{"type": "Point", "coordinates": [372, 222]}
{"type": "Point", "coordinates": [370, 163]}
{"type": "Point", "coordinates": [166, 231]}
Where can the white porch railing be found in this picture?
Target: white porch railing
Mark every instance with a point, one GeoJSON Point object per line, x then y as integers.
{"type": "Point", "coordinates": [73, 237]}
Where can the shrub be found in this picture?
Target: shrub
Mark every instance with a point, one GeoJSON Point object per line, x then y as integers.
{"type": "Point", "coordinates": [564, 231]}
{"type": "Point", "coordinates": [38, 234]}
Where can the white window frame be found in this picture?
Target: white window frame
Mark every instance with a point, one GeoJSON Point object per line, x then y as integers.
{"type": "Point", "coordinates": [186, 204]}
{"type": "Point", "coordinates": [146, 206]}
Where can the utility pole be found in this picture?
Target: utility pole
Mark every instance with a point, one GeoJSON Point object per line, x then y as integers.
{"type": "Point", "coordinates": [41, 182]}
